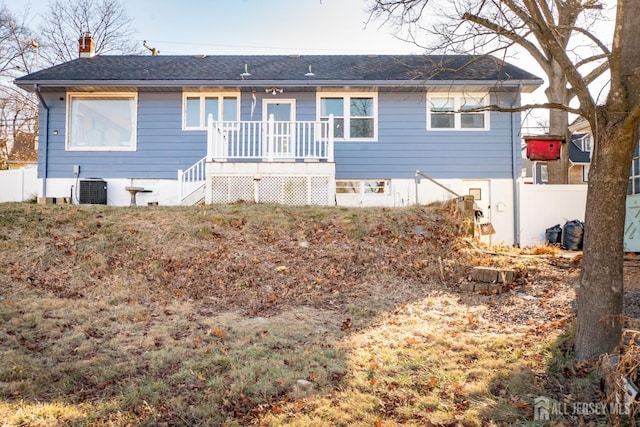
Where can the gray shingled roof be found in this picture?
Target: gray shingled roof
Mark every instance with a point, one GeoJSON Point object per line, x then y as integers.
{"type": "Point", "coordinates": [382, 69]}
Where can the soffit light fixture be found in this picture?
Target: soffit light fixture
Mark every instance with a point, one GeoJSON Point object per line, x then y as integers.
{"type": "Point", "coordinates": [274, 90]}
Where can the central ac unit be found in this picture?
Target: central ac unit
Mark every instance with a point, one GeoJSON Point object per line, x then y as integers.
{"type": "Point", "coordinates": [93, 191]}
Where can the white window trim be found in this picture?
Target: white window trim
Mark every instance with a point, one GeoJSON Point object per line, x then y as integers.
{"type": "Point", "coordinates": [291, 101]}
{"type": "Point", "coordinates": [583, 142]}
{"type": "Point", "coordinates": [457, 97]}
{"type": "Point", "coordinates": [76, 95]}
{"type": "Point", "coordinates": [347, 95]}
{"type": "Point", "coordinates": [202, 95]}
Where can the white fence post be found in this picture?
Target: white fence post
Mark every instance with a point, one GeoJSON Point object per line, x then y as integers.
{"type": "Point", "coordinates": [22, 195]}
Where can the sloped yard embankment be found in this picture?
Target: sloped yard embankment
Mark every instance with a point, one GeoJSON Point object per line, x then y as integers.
{"type": "Point", "coordinates": [257, 314]}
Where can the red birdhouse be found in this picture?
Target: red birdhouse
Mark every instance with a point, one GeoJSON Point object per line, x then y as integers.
{"type": "Point", "coordinates": [543, 147]}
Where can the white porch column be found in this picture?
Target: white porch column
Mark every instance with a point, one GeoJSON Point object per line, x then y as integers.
{"type": "Point", "coordinates": [330, 157]}
{"type": "Point", "coordinates": [271, 138]}
{"type": "Point", "coordinates": [211, 153]}
{"type": "Point", "coordinates": [216, 141]}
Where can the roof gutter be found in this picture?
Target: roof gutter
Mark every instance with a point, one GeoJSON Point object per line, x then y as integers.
{"type": "Point", "coordinates": [45, 162]}
{"type": "Point", "coordinates": [529, 85]}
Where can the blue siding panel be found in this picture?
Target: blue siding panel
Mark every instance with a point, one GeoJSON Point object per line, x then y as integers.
{"type": "Point", "coordinates": [162, 146]}
{"type": "Point", "coordinates": [404, 144]}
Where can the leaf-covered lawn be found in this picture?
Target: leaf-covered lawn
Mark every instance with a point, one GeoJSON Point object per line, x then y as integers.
{"type": "Point", "coordinates": [269, 315]}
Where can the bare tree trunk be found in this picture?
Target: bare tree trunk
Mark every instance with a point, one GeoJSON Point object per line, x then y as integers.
{"type": "Point", "coordinates": [600, 294]}
{"type": "Point", "coordinates": [601, 291]}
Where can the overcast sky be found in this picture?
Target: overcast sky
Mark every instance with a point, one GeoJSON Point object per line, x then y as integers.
{"type": "Point", "coordinates": [251, 26]}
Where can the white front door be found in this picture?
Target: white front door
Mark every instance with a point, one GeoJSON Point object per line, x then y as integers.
{"type": "Point", "coordinates": [280, 134]}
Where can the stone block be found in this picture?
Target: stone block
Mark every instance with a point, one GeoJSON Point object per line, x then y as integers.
{"type": "Point", "coordinates": [492, 275]}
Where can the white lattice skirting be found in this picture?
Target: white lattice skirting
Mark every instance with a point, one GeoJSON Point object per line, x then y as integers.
{"type": "Point", "coordinates": [286, 190]}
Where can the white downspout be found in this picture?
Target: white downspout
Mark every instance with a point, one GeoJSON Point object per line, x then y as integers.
{"type": "Point", "coordinates": [516, 191]}
{"type": "Point", "coordinates": [45, 165]}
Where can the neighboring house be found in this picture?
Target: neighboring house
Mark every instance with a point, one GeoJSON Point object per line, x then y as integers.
{"type": "Point", "coordinates": [580, 151]}
{"type": "Point", "coordinates": [325, 129]}
{"type": "Point", "coordinates": [23, 152]}
{"type": "Point", "coordinates": [582, 133]}
{"type": "Point", "coordinates": [527, 169]}
{"type": "Point", "coordinates": [579, 158]}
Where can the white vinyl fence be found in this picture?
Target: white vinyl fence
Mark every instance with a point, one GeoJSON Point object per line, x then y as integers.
{"type": "Point", "coordinates": [543, 206]}
{"type": "Point", "coordinates": [18, 185]}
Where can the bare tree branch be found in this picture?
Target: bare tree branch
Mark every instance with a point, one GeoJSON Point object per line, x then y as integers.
{"type": "Point", "coordinates": [106, 20]}
{"type": "Point", "coordinates": [514, 37]}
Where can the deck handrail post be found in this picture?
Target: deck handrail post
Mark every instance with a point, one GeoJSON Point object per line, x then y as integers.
{"type": "Point", "coordinates": [270, 137]}
{"type": "Point", "coordinates": [330, 154]}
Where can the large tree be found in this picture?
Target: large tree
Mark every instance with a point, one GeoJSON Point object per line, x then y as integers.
{"type": "Point", "coordinates": [65, 20]}
{"type": "Point", "coordinates": [559, 35]}
{"type": "Point", "coordinates": [491, 26]}
{"type": "Point", "coordinates": [18, 109]}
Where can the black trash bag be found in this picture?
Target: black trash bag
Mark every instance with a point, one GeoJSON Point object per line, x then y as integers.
{"type": "Point", "coordinates": [572, 234]}
{"type": "Point", "coordinates": [553, 235]}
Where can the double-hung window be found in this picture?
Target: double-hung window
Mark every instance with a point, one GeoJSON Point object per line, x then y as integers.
{"type": "Point", "coordinates": [197, 107]}
{"type": "Point", "coordinates": [355, 115]}
{"type": "Point", "coordinates": [101, 122]}
{"type": "Point", "coordinates": [457, 111]}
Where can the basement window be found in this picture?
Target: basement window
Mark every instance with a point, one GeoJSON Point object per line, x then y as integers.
{"type": "Point", "coordinates": [357, 186]}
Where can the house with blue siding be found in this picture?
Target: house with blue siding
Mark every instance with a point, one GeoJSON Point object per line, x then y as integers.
{"type": "Point", "coordinates": [351, 130]}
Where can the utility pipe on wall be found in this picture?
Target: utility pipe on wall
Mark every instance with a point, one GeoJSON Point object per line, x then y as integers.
{"type": "Point", "coordinates": [514, 176]}
{"type": "Point", "coordinates": [36, 89]}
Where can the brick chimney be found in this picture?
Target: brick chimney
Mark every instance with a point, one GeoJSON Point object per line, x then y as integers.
{"type": "Point", "coordinates": [87, 45]}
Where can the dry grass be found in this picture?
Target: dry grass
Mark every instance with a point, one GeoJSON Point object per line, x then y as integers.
{"type": "Point", "coordinates": [266, 315]}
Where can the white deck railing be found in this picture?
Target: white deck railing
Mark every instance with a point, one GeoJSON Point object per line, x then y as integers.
{"type": "Point", "coordinates": [191, 179]}
{"type": "Point", "coordinates": [270, 141]}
